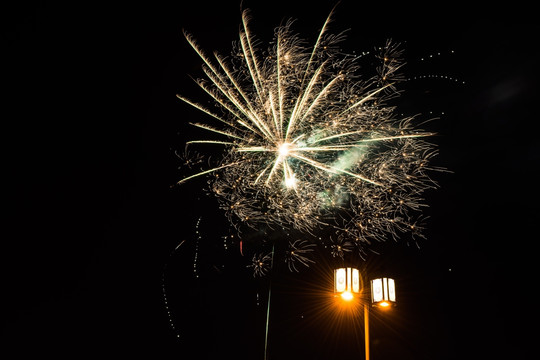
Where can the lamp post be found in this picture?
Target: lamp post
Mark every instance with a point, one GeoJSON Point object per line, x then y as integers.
{"type": "Point", "coordinates": [383, 294]}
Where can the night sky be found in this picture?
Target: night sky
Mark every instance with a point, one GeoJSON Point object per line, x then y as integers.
{"type": "Point", "coordinates": [90, 127]}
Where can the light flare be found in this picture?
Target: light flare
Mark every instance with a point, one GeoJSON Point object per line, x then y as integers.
{"type": "Point", "coordinates": [347, 296]}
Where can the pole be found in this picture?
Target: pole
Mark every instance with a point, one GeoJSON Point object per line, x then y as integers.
{"type": "Point", "coordinates": [268, 307]}
{"type": "Point", "coordinates": [366, 329]}
{"type": "Point", "coordinates": [267, 321]}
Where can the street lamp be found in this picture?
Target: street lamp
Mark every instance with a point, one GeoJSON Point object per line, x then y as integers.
{"type": "Point", "coordinates": [383, 294]}
{"type": "Point", "coordinates": [347, 282]}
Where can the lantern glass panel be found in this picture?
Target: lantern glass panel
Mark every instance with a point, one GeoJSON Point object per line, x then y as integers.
{"type": "Point", "coordinates": [355, 281]}
{"type": "Point", "coordinates": [376, 290]}
{"type": "Point", "coordinates": [340, 280]}
{"type": "Point", "coordinates": [391, 290]}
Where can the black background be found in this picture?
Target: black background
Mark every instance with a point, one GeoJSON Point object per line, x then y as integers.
{"type": "Point", "coordinates": [89, 128]}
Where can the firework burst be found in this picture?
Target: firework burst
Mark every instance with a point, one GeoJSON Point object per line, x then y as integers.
{"type": "Point", "coordinates": [308, 142]}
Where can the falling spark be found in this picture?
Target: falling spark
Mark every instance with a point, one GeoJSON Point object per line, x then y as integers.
{"type": "Point", "coordinates": [307, 142]}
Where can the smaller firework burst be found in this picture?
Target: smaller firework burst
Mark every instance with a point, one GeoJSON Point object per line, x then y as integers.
{"type": "Point", "coordinates": [261, 264]}
{"type": "Point", "coordinates": [297, 254]}
{"type": "Point", "coordinates": [340, 246]}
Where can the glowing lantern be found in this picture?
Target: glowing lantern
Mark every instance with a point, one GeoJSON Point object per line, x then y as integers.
{"type": "Point", "coordinates": [347, 282]}
{"type": "Point", "coordinates": [383, 292]}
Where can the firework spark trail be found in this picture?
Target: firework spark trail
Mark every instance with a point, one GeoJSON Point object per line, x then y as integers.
{"type": "Point", "coordinates": [307, 142]}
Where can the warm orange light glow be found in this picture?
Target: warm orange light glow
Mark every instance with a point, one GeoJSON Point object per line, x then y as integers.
{"type": "Point", "coordinates": [347, 296]}
{"type": "Point", "coordinates": [384, 304]}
